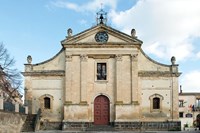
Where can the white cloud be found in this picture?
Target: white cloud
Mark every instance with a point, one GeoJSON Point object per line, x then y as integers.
{"type": "Point", "coordinates": [89, 6]}
{"type": "Point", "coordinates": [198, 55]}
{"type": "Point", "coordinates": [83, 22]}
{"type": "Point", "coordinates": [165, 26]}
{"type": "Point", "coordinates": [190, 81]}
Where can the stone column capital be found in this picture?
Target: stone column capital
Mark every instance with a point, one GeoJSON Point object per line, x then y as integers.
{"type": "Point", "coordinates": [68, 57]}
{"type": "Point", "coordinates": [83, 57]}
{"type": "Point", "coordinates": [134, 57]}
{"type": "Point", "coordinates": [118, 57]}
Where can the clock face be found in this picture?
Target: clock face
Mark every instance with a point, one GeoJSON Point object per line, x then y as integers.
{"type": "Point", "coordinates": [101, 36]}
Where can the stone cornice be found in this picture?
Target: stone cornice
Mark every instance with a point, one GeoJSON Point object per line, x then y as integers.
{"type": "Point", "coordinates": [82, 103]}
{"type": "Point", "coordinates": [45, 73]}
{"type": "Point", "coordinates": [103, 45]}
{"type": "Point", "coordinates": [158, 74]}
{"type": "Point", "coordinates": [190, 94]}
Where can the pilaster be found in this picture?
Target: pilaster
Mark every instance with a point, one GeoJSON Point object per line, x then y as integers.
{"type": "Point", "coordinates": [68, 76]}
{"type": "Point", "coordinates": [134, 75]}
{"type": "Point", "coordinates": [175, 106]}
{"type": "Point", "coordinates": [1, 102]}
{"type": "Point", "coordinates": [16, 107]}
{"type": "Point", "coordinates": [119, 79]}
{"type": "Point", "coordinates": [83, 75]}
{"type": "Point", "coordinates": [175, 87]}
{"type": "Point", "coordinates": [28, 93]}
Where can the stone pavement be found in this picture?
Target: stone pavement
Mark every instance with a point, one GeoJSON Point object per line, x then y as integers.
{"type": "Point", "coordinates": [59, 131]}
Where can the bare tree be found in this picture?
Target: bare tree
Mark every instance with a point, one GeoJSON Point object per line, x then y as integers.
{"type": "Point", "coordinates": [10, 77]}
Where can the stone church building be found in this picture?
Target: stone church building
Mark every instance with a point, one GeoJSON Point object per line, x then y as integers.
{"type": "Point", "coordinates": [101, 76]}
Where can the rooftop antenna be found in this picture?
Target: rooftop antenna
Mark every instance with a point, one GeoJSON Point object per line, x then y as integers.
{"type": "Point", "coordinates": [101, 16]}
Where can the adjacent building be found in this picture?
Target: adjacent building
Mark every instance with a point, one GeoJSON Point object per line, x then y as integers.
{"type": "Point", "coordinates": [189, 109]}
{"type": "Point", "coordinates": [101, 76]}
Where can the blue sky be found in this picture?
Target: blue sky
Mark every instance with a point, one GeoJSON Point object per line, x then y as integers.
{"type": "Point", "coordinates": [167, 28]}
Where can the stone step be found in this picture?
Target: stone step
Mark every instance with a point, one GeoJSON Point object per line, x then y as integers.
{"type": "Point", "coordinates": [101, 128]}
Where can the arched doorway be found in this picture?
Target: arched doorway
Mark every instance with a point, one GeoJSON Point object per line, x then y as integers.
{"type": "Point", "coordinates": [101, 110]}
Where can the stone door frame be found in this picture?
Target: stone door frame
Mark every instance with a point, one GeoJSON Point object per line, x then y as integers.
{"type": "Point", "coordinates": [106, 108]}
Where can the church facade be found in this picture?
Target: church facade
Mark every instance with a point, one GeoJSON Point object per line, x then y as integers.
{"type": "Point", "coordinates": [101, 76]}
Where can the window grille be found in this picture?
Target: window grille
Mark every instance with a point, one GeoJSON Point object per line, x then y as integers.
{"type": "Point", "coordinates": [101, 71]}
{"type": "Point", "coordinates": [156, 103]}
{"type": "Point", "coordinates": [47, 103]}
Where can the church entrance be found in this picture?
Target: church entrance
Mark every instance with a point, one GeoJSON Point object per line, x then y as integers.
{"type": "Point", "coordinates": [101, 110]}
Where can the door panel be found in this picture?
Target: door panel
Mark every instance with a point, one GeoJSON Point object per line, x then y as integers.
{"type": "Point", "coordinates": [101, 110]}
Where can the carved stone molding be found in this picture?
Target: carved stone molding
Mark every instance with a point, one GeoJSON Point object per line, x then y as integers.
{"type": "Point", "coordinates": [158, 74]}
{"type": "Point", "coordinates": [45, 73]}
{"type": "Point", "coordinates": [84, 57]}
{"type": "Point", "coordinates": [68, 58]}
{"type": "Point", "coordinates": [134, 57]}
{"type": "Point", "coordinates": [118, 57]}
{"type": "Point", "coordinates": [135, 103]}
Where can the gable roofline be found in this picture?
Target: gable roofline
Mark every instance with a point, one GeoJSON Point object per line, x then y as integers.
{"type": "Point", "coordinates": [109, 29]}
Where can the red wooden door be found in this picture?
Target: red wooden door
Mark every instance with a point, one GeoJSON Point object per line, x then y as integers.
{"type": "Point", "coordinates": [101, 110]}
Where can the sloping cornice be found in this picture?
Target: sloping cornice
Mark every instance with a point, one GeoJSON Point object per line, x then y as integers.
{"type": "Point", "coordinates": [158, 63]}
{"type": "Point", "coordinates": [49, 59]}
{"type": "Point", "coordinates": [75, 38]}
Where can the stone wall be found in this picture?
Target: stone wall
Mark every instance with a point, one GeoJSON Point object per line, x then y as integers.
{"type": "Point", "coordinates": [126, 126]}
{"type": "Point", "coordinates": [11, 122]}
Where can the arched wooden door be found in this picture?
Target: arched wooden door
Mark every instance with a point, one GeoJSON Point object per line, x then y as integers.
{"type": "Point", "coordinates": [101, 110]}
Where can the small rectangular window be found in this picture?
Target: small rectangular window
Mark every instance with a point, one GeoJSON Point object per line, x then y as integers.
{"type": "Point", "coordinates": [181, 103]}
{"type": "Point", "coordinates": [101, 71]}
{"type": "Point", "coordinates": [47, 103]}
{"type": "Point", "coordinates": [156, 103]}
{"type": "Point", "coordinates": [198, 103]}
{"type": "Point", "coordinates": [181, 114]}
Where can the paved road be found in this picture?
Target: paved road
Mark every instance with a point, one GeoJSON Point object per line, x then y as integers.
{"type": "Point", "coordinates": [58, 131]}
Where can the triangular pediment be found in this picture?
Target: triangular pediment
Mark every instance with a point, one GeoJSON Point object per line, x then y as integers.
{"type": "Point", "coordinates": [88, 37]}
